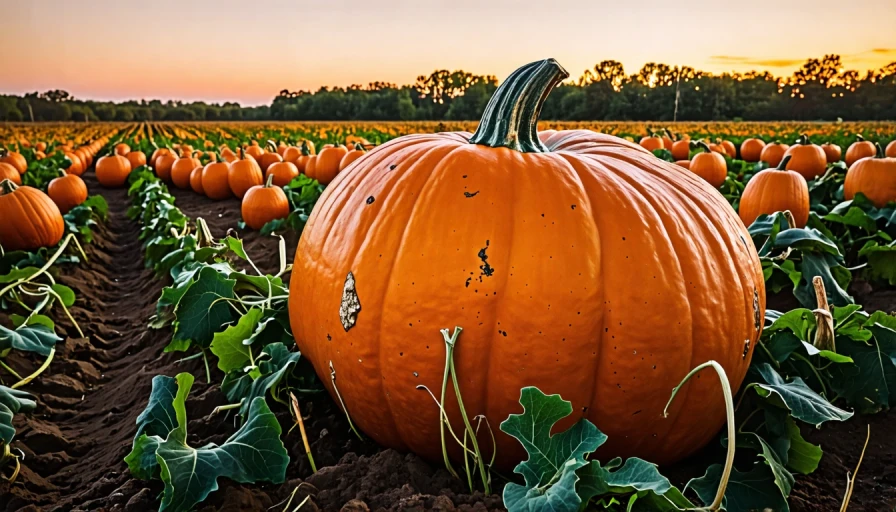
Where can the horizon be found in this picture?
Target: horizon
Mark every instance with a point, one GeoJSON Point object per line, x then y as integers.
{"type": "Point", "coordinates": [221, 52]}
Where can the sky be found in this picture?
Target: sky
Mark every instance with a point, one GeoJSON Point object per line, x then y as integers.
{"type": "Point", "coordinates": [225, 50]}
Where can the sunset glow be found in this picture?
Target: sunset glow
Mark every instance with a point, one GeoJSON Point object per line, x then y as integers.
{"type": "Point", "coordinates": [220, 51]}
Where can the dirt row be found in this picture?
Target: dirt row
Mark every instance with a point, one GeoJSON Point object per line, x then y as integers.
{"type": "Point", "coordinates": [89, 399]}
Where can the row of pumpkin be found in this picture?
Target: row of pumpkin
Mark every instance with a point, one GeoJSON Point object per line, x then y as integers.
{"type": "Point", "coordinates": [784, 186]}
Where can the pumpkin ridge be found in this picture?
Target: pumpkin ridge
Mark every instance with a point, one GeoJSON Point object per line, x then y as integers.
{"type": "Point", "coordinates": [388, 276]}
{"type": "Point", "coordinates": [647, 202]}
{"type": "Point", "coordinates": [37, 230]}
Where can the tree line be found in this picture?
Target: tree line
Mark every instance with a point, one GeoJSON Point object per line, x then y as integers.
{"type": "Point", "coordinates": [819, 90]}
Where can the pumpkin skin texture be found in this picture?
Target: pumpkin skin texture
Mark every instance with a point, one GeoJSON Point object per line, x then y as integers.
{"type": "Point", "coordinates": [136, 158]}
{"type": "Point", "coordinates": [243, 175]}
{"type": "Point", "coordinates": [215, 180]}
{"type": "Point", "coordinates": [67, 191]}
{"type": "Point", "coordinates": [709, 165]}
{"type": "Point", "coordinates": [773, 153]}
{"type": "Point", "coordinates": [807, 159]}
{"type": "Point", "coordinates": [196, 181]}
{"type": "Point", "coordinates": [831, 152]}
{"type": "Point", "coordinates": [14, 159]}
{"type": "Point", "coordinates": [858, 150]}
{"type": "Point", "coordinates": [775, 190]}
{"type": "Point", "coordinates": [8, 172]}
{"type": "Point", "coordinates": [873, 176]}
{"type": "Point", "coordinates": [283, 173]}
{"type": "Point", "coordinates": [751, 150]}
{"type": "Point", "coordinates": [112, 170]}
{"type": "Point", "coordinates": [326, 166]}
{"type": "Point", "coordinates": [544, 222]}
{"type": "Point", "coordinates": [264, 203]}
{"type": "Point", "coordinates": [31, 219]}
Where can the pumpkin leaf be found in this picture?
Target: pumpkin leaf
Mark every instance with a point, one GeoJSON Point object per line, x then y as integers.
{"type": "Point", "coordinates": [869, 384]}
{"type": "Point", "coordinates": [65, 294]}
{"type": "Point", "coordinates": [746, 492]}
{"type": "Point", "coordinates": [228, 345]}
{"type": "Point", "coordinates": [203, 309]}
{"type": "Point", "coordinates": [636, 477]}
{"type": "Point", "coordinates": [804, 404]}
{"type": "Point", "coordinates": [273, 367]}
{"type": "Point", "coordinates": [802, 456]}
{"type": "Point", "coordinates": [12, 401]}
{"type": "Point", "coordinates": [155, 423]}
{"type": "Point", "coordinates": [19, 320]}
{"type": "Point", "coordinates": [35, 337]}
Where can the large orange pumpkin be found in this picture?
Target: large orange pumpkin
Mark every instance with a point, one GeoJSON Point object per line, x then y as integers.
{"type": "Point", "coordinates": [873, 176]}
{"type": "Point", "coordinates": [243, 174]}
{"type": "Point", "coordinates": [858, 150]}
{"type": "Point", "coordinates": [751, 150]}
{"type": "Point", "coordinates": [31, 220]}
{"type": "Point", "coordinates": [709, 165]}
{"type": "Point", "coordinates": [67, 191]}
{"type": "Point", "coordinates": [775, 190]}
{"type": "Point", "coordinates": [14, 159]}
{"type": "Point", "coordinates": [517, 238]}
{"type": "Point", "coordinates": [807, 159]}
{"type": "Point", "coordinates": [112, 170]}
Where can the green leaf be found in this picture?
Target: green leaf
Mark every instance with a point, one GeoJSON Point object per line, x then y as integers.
{"type": "Point", "coordinates": [12, 401]}
{"type": "Point", "coordinates": [36, 338]}
{"type": "Point", "coordinates": [156, 421]}
{"type": "Point", "coordinates": [274, 364]}
{"type": "Point", "coordinates": [65, 293]}
{"type": "Point", "coordinates": [236, 246]}
{"type": "Point", "coordinates": [228, 345]}
{"type": "Point", "coordinates": [746, 492]}
{"type": "Point", "coordinates": [204, 309]}
{"type": "Point", "coordinates": [803, 456]}
{"type": "Point", "coordinates": [19, 320]}
{"type": "Point", "coordinates": [804, 404]}
{"type": "Point", "coordinates": [254, 453]}
{"type": "Point", "coordinates": [869, 384]}
{"type": "Point", "coordinates": [637, 477]}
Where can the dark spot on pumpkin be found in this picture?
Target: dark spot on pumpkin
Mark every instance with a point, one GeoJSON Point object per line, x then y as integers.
{"type": "Point", "coordinates": [757, 321]}
{"type": "Point", "coordinates": [392, 167]}
{"type": "Point", "coordinates": [487, 270]}
{"type": "Point", "coordinates": [468, 194]}
{"type": "Point", "coordinates": [370, 200]}
{"type": "Point", "coordinates": [636, 412]}
{"type": "Point", "coordinates": [329, 338]}
{"type": "Point", "coordinates": [573, 207]}
{"type": "Point", "coordinates": [350, 305]}
{"type": "Point", "coordinates": [467, 284]}
{"type": "Point", "coordinates": [503, 333]}
{"type": "Point", "coordinates": [465, 176]}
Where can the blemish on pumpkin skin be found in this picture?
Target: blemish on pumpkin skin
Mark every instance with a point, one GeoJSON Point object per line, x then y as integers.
{"type": "Point", "coordinates": [746, 349]}
{"type": "Point", "coordinates": [468, 194]}
{"type": "Point", "coordinates": [757, 321]}
{"type": "Point", "coordinates": [370, 200]}
{"type": "Point", "coordinates": [350, 305]}
{"type": "Point", "coordinates": [487, 270]}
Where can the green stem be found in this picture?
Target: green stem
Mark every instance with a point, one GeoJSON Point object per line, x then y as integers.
{"type": "Point", "coordinates": [782, 166]}
{"type": "Point", "coordinates": [511, 117]}
{"type": "Point", "coordinates": [342, 403]}
{"type": "Point", "coordinates": [37, 372]}
{"type": "Point", "coordinates": [443, 417]}
{"type": "Point", "coordinates": [46, 266]}
{"type": "Point", "coordinates": [729, 409]}
{"type": "Point", "coordinates": [10, 370]}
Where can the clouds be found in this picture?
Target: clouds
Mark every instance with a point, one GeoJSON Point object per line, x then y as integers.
{"type": "Point", "coordinates": [748, 61]}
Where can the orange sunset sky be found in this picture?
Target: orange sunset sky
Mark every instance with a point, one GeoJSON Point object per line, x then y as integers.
{"type": "Point", "coordinates": [248, 51]}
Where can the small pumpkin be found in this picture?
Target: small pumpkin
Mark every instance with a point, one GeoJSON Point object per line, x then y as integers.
{"type": "Point", "coordinates": [327, 165]}
{"type": "Point", "coordinates": [181, 169]}
{"type": "Point", "coordinates": [311, 167]}
{"type": "Point", "coordinates": [264, 203]}
{"type": "Point", "coordinates": [243, 174]}
{"type": "Point", "coordinates": [668, 139]}
{"type": "Point", "coordinates": [891, 149]}
{"type": "Point", "coordinates": [196, 180]}
{"type": "Point", "coordinates": [831, 152]}
{"type": "Point", "coordinates": [683, 163]}
{"type": "Point", "coordinates": [122, 149]}
{"type": "Point", "coordinates": [112, 170]}
{"type": "Point", "coordinates": [751, 149]}
{"type": "Point", "coordinates": [775, 190]}
{"type": "Point", "coordinates": [31, 219]}
{"type": "Point", "coordinates": [67, 191]}
{"type": "Point", "coordinates": [156, 154]}
{"type": "Point", "coordinates": [551, 262]}
{"type": "Point", "coordinates": [227, 154]}
{"type": "Point", "coordinates": [14, 159]}
{"type": "Point", "coordinates": [291, 154]}
{"type": "Point", "coordinates": [730, 148]}
{"type": "Point", "coordinates": [283, 173]}
{"type": "Point", "coordinates": [255, 151]}
{"type": "Point", "coordinates": [681, 149]}
{"type": "Point", "coordinates": [8, 172]}
{"type": "Point", "coordinates": [859, 149]}
{"type": "Point", "coordinates": [137, 159]}
{"type": "Point", "coordinates": [873, 176]}
{"type": "Point", "coordinates": [302, 161]}
{"type": "Point", "coordinates": [163, 166]}
{"type": "Point", "coordinates": [75, 167]}
{"type": "Point", "coordinates": [216, 181]}
{"type": "Point", "coordinates": [709, 165]}
{"type": "Point", "coordinates": [270, 157]}
{"type": "Point", "coordinates": [351, 156]}
{"type": "Point", "coordinates": [808, 159]}
{"type": "Point", "coordinates": [773, 153]}
{"type": "Point", "coordinates": [650, 143]}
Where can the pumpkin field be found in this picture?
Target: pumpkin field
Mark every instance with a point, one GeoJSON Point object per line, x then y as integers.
{"type": "Point", "coordinates": [503, 314]}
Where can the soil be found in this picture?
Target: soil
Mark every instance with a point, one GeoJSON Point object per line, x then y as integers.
{"type": "Point", "coordinates": [89, 399]}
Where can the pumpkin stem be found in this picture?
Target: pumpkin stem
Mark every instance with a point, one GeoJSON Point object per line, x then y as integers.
{"type": "Point", "coordinates": [7, 187]}
{"type": "Point", "coordinates": [669, 133]}
{"type": "Point", "coordinates": [859, 138]}
{"type": "Point", "coordinates": [729, 410]}
{"type": "Point", "coordinates": [803, 140]}
{"type": "Point", "coordinates": [360, 147]}
{"type": "Point", "coordinates": [305, 150]}
{"type": "Point", "coordinates": [270, 180]}
{"type": "Point", "coordinates": [783, 165]}
{"type": "Point", "coordinates": [880, 151]}
{"type": "Point", "coordinates": [510, 119]}
{"type": "Point", "coordinates": [242, 153]}
{"type": "Point", "coordinates": [824, 330]}
{"type": "Point", "coordinates": [702, 145]}
{"type": "Point", "coordinates": [273, 145]}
